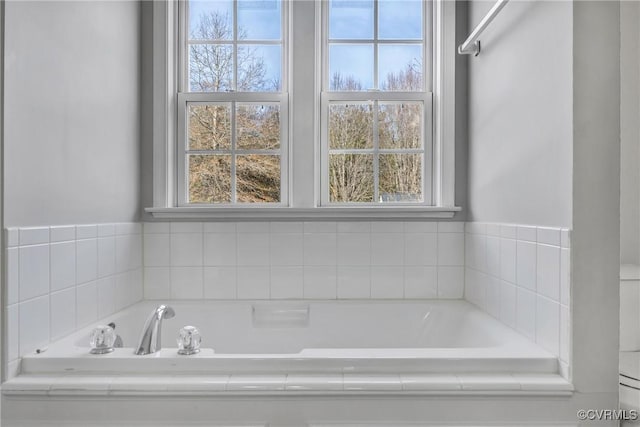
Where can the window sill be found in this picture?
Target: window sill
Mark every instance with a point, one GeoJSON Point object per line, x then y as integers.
{"type": "Point", "coordinates": [304, 214]}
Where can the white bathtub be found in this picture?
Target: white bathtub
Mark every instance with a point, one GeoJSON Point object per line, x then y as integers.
{"type": "Point", "coordinates": [310, 338]}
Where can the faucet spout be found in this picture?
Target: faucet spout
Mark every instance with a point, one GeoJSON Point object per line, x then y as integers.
{"type": "Point", "coordinates": [150, 339]}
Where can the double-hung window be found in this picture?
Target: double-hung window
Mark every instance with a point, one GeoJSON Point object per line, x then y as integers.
{"type": "Point", "coordinates": [376, 103]}
{"type": "Point", "coordinates": [319, 109]}
{"type": "Point", "coordinates": [232, 103]}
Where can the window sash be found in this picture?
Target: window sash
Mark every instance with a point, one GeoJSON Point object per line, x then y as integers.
{"type": "Point", "coordinates": [182, 152]}
{"type": "Point", "coordinates": [186, 98]}
{"type": "Point", "coordinates": [380, 97]}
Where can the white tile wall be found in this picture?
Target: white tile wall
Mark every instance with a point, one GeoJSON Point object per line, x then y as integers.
{"type": "Point", "coordinates": [521, 276]}
{"type": "Point", "coordinates": [62, 278]}
{"type": "Point", "coordinates": [290, 260]}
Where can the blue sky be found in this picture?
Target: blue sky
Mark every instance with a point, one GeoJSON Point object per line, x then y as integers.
{"type": "Point", "coordinates": [349, 19]}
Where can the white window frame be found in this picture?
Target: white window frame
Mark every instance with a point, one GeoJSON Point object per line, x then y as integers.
{"type": "Point", "coordinates": [303, 129]}
{"type": "Point", "coordinates": [186, 98]}
{"type": "Point", "coordinates": [376, 96]}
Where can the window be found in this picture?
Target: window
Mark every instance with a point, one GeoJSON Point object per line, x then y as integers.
{"type": "Point", "coordinates": [326, 108]}
{"type": "Point", "coordinates": [232, 106]}
{"type": "Point", "coordinates": [376, 108]}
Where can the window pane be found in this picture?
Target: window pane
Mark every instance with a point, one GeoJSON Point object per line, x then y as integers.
{"type": "Point", "coordinates": [400, 125]}
{"type": "Point", "coordinates": [209, 127]}
{"type": "Point", "coordinates": [209, 179]}
{"type": "Point", "coordinates": [259, 68]}
{"type": "Point", "coordinates": [210, 67]}
{"type": "Point", "coordinates": [351, 19]}
{"type": "Point", "coordinates": [350, 178]}
{"type": "Point", "coordinates": [258, 179]}
{"type": "Point", "coordinates": [400, 178]}
{"type": "Point", "coordinates": [210, 20]}
{"type": "Point", "coordinates": [400, 19]}
{"type": "Point", "coordinates": [350, 126]}
{"type": "Point", "coordinates": [258, 127]}
{"type": "Point", "coordinates": [400, 67]}
{"type": "Point", "coordinates": [350, 67]}
{"type": "Point", "coordinates": [259, 19]}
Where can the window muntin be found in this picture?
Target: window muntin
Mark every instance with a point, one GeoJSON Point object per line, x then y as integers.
{"type": "Point", "coordinates": [232, 106]}
{"type": "Point", "coordinates": [376, 109]}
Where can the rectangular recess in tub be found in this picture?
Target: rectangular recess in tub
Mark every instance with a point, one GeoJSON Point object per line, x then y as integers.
{"type": "Point", "coordinates": [280, 315]}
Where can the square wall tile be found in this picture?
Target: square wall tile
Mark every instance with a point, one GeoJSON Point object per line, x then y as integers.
{"type": "Point", "coordinates": [186, 227]}
{"type": "Point", "coordinates": [157, 282]}
{"type": "Point", "coordinates": [106, 256]}
{"type": "Point", "coordinates": [354, 282]}
{"type": "Point", "coordinates": [450, 227]}
{"type": "Point", "coordinates": [106, 230]}
{"type": "Point", "coordinates": [86, 304]}
{"type": "Point", "coordinates": [475, 250]}
{"type": "Point", "coordinates": [526, 313]}
{"type": "Point", "coordinates": [128, 252]}
{"type": "Point", "coordinates": [34, 271]}
{"type": "Point", "coordinates": [387, 227]}
{"type": "Point", "coordinates": [286, 227]}
{"type": "Point", "coordinates": [34, 324]}
{"type": "Point", "coordinates": [34, 235]}
{"type": "Point", "coordinates": [12, 237]}
{"type": "Point", "coordinates": [220, 249]}
{"type": "Point", "coordinates": [493, 256]}
{"type": "Point", "coordinates": [157, 250]}
{"type": "Point", "coordinates": [508, 304]}
{"type": "Point", "coordinates": [106, 296]}
{"type": "Point", "coordinates": [63, 265]}
{"type": "Point", "coordinates": [13, 332]}
{"type": "Point", "coordinates": [287, 282]}
{"type": "Point", "coordinates": [157, 227]}
{"type": "Point", "coordinates": [565, 334]}
{"type": "Point", "coordinates": [12, 274]}
{"type": "Point", "coordinates": [187, 282]}
{"type": "Point", "coordinates": [354, 227]}
{"type": "Point", "coordinates": [220, 283]}
{"type": "Point", "coordinates": [320, 282]}
{"type": "Point", "coordinates": [63, 313]}
{"type": "Point", "coordinates": [320, 227]}
{"type": "Point", "coordinates": [420, 282]}
{"type": "Point", "coordinates": [320, 249]}
{"type": "Point", "coordinates": [411, 227]}
{"type": "Point", "coordinates": [527, 233]}
{"type": "Point", "coordinates": [220, 227]}
{"type": "Point", "coordinates": [508, 260]}
{"type": "Point", "coordinates": [450, 248]}
{"type": "Point", "coordinates": [86, 260]}
{"type": "Point", "coordinates": [548, 271]}
{"type": "Point", "coordinates": [253, 249]}
{"type": "Point", "coordinates": [89, 231]}
{"type": "Point", "coordinates": [450, 282]}
{"type": "Point", "coordinates": [421, 249]}
{"type": "Point", "coordinates": [549, 236]}
{"type": "Point", "coordinates": [286, 249]}
{"type": "Point", "coordinates": [62, 233]}
{"type": "Point", "coordinates": [186, 250]}
{"type": "Point", "coordinates": [387, 282]}
{"type": "Point", "coordinates": [548, 325]}
{"type": "Point", "coordinates": [387, 249]}
{"type": "Point", "coordinates": [253, 227]}
{"type": "Point", "coordinates": [565, 276]}
{"type": "Point", "coordinates": [253, 282]}
{"type": "Point", "coordinates": [493, 296]}
{"type": "Point", "coordinates": [354, 249]}
{"type": "Point", "coordinates": [526, 265]}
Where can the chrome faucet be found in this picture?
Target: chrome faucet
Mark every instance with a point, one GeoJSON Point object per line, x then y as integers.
{"type": "Point", "coordinates": [150, 339]}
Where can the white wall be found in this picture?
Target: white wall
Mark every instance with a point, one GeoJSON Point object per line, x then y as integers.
{"type": "Point", "coordinates": [629, 132]}
{"type": "Point", "coordinates": [520, 115]}
{"type": "Point", "coordinates": [72, 112]}
{"type": "Point", "coordinates": [544, 149]}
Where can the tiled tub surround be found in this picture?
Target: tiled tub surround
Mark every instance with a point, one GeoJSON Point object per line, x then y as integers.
{"type": "Point", "coordinates": [60, 279]}
{"type": "Point", "coordinates": [300, 347]}
{"type": "Point", "coordinates": [521, 276]}
{"type": "Point", "coordinates": [310, 260]}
